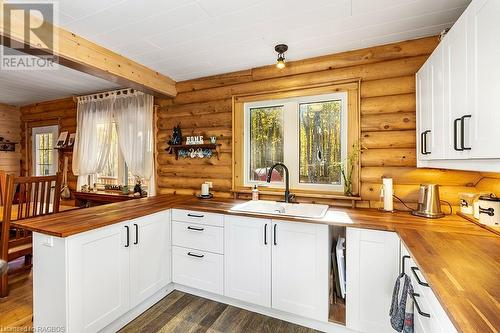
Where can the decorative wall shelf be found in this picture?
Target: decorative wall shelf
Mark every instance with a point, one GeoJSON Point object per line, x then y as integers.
{"type": "Point", "coordinates": [65, 149]}
{"type": "Point", "coordinates": [184, 150]}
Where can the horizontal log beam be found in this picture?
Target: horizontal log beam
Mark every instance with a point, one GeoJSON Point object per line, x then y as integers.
{"type": "Point", "coordinates": [85, 56]}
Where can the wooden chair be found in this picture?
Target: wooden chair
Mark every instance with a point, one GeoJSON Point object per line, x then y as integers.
{"type": "Point", "coordinates": [3, 179]}
{"type": "Point", "coordinates": [25, 197]}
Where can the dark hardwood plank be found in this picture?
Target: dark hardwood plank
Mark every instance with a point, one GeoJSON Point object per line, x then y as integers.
{"type": "Point", "coordinates": [184, 313]}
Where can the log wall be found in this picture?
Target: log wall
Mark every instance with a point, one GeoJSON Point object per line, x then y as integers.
{"type": "Point", "coordinates": [387, 73]}
{"type": "Point", "coordinates": [60, 112]}
{"type": "Point", "coordinates": [10, 121]}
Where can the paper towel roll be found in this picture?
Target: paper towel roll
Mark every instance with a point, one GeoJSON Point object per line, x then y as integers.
{"type": "Point", "coordinates": [388, 203]}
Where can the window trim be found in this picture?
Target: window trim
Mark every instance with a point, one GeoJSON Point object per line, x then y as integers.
{"type": "Point", "coordinates": [54, 129]}
{"type": "Point", "coordinates": [351, 86]}
{"type": "Point", "coordinates": [291, 129]}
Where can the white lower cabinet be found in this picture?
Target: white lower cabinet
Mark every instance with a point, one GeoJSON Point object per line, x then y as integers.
{"type": "Point", "coordinates": [248, 259]}
{"type": "Point", "coordinates": [300, 269]}
{"type": "Point", "coordinates": [198, 269]}
{"type": "Point", "coordinates": [113, 269]}
{"type": "Point", "coordinates": [278, 264]}
{"type": "Point", "coordinates": [372, 266]}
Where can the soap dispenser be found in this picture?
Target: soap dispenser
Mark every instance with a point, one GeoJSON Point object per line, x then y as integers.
{"type": "Point", "coordinates": [255, 193]}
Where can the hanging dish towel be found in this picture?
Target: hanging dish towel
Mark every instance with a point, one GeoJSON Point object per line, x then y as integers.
{"type": "Point", "coordinates": [401, 312]}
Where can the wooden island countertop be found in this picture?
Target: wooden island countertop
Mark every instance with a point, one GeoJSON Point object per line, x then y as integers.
{"type": "Point", "coordinates": [459, 259]}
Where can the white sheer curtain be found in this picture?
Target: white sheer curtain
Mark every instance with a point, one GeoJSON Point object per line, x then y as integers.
{"type": "Point", "coordinates": [93, 136]}
{"type": "Point", "coordinates": [134, 119]}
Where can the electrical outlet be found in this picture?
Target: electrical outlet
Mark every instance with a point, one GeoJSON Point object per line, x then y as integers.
{"type": "Point", "coordinates": [210, 184]}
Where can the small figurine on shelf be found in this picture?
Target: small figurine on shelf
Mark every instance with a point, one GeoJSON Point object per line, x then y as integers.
{"type": "Point", "coordinates": [138, 187]}
{"type": "Point", "coordinates": [175, 139]}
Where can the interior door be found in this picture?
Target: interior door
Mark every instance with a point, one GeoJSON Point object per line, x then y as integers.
{"type": "Point", "coordinates": [150, 255]}
{"type": "Point", "coordinates": [99, 278]}
{"type": "Point", "coordinates": [484, 53]}
{"type": "Point", "coordinates": [248, 259]}
{"type": "Point", "coordinates": [300, 269]}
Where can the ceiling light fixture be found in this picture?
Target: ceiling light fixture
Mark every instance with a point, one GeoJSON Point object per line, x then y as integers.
{"type": "Point", "coordinates": [281, 49]}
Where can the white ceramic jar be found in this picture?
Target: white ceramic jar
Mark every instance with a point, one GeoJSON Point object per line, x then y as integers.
{"type": "Point", "coordinates": [489, 210]}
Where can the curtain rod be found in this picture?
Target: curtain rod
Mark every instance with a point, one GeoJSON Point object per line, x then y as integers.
{"type": "Point", "coordinates": [105, 94]}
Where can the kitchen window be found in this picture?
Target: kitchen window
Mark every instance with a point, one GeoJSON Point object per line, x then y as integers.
{"type": "Point", "coordinates": [307, 134]}
{"type": "Point", "coordinates": [45, 157]}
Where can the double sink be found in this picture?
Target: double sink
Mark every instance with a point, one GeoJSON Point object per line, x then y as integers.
{"type": "Point", "coordinates": [266, 207]}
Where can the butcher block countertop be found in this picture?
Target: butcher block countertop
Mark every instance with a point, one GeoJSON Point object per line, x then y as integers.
{"type": "Point", "coordinates": [459, 259]}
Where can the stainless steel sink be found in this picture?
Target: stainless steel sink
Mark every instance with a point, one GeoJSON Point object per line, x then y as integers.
{"type": "Point", "coordinates": [282, 209]}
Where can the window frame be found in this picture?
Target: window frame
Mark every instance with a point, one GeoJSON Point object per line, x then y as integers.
{"type": "Point", "coordinates": [35, 131]}
{"type": "Point", "coordinates": [291, 139]}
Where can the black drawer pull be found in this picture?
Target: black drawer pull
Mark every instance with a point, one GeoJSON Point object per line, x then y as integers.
{"type": "Point", "coordinates": [420, 312]}
{"type": "Point", "coordinates": [136, 234]}
{"type": "Point", "coordinates": [195, 255]}
{"type": "Point", "coordinates": [462, 132]}
{"type": "Point", "coordinates": [403, 263]}
{"type": "Point", "coordinates": [455, 138]}
{"type": "Point", "coordinates": [420, 282]}
{"type": "Point", "coordinates": [195, 215]}
{"type": "Point", "coordinates": [195, 229]}
{"type": "Point", "coordinates": [424, 143]}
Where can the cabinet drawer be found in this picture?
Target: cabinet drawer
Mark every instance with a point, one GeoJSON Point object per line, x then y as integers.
{"type": "Point", "coordinates": [192, 216]}
{"type": "Point", "coordinates": [198, 236]}
{"type": "Point", "coordinates": [198, 269]}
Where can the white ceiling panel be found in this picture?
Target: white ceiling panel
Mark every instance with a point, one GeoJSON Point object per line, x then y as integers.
{"type": "Point", "coordinates": [179, 37]}
{"type": "Point", "coordinates": [31, 86]}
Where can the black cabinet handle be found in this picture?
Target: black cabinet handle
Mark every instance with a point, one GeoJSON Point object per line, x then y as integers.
{"type": "Point", "coordinates": [195, 229]}
{"type": "Point", "coordinates": [195, 215]}
{"type": "Point", "coordinates": [490, 211]}
{"type": "Point", "coordinates": [274, 236]}
{"type": "Point", "coordinates": [265, 234]}
{"type": "Point", "coordinates": [420, 282]}
{"type": "Point", "coordinates": [128, 236]}
{"type": "Point", "coordinates": [136, 234]}
{"type": "Point", "coordinates": [195, 255]}
{"type": "Point", "coordinates": [403, 263]}
{"type": "Point", "coordinates": [462, 132]}
{"type": "Point", "coordinates": [425, 152]}
{"type": "Point", "coordinates": [420, 312]}
{"type": "Point", "coordinates": [455, 138]}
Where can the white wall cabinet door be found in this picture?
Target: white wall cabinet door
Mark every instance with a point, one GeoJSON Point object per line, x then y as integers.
{"type": "Point", "coordinates": [484, 84]}
{"type": "Point", "coordinates": [372, 266]}
{"type": "Point", "coordinates": [424, 110]}
{"type": "Point", "coordinates": [150, 255]}
{"type": "Point", "coordinates": [457, 92]}
{"type": "Point", "coordinates": [248, 259]}
{"type": "Point", "coordinates": [300, 268]}
{"type": "Point", "coordinates": [98, 284]}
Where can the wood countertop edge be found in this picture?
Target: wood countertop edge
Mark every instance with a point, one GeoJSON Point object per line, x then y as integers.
{"type": "Point", "coordinates": [365, 219]}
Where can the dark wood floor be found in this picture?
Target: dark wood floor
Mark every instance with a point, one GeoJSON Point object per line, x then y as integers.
{"type": "Point", "coordinates": [181, 312]}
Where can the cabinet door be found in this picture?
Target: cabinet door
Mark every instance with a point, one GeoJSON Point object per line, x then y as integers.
{"type": "Point", "coordinates": [372, 266]}
{"type": "Point", "coordinates": [300, 269]}
{"type": "Point", "coordinates": [457, 93]}
{"type": "Point", "coordinates": [248, 259]}
{"type": "Point", "coordinates": [484, 53]}
{"type": "Point", "coordinates": [435, 138]}
{"type": "Point", "coordinates": [99, 285]}
{"type": "Point", "coordinates": [150, 255]}
{"type": "Point", "coordinates": [424, 111]}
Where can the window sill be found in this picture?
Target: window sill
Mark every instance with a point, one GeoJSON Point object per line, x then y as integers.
{"type": "Point", "coordinates": [299, 194]}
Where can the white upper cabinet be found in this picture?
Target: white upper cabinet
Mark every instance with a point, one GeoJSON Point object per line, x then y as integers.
{"type": "Point", "coordinates": [458, 109]}
{"type": "Point", "coordinates": [483, 18]}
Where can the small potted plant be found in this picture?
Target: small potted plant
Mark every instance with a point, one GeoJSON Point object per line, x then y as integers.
{"type": "Point", "coordinates": [347, 168]}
